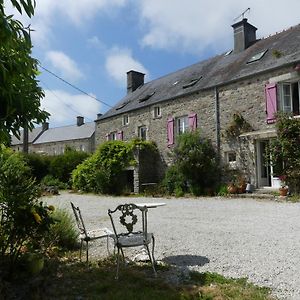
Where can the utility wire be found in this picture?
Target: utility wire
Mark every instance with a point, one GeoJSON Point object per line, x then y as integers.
{"type": "Point", "coordinates": [74, 87]}
{"type": "Point", "coordinates": [68, 105]}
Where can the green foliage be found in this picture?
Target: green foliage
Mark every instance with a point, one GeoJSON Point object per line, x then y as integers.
{"type": "Point", "coordinates": [62, 233]}
{"type": "Point", "coordinates": [49, 180]}
{"type": "Point", "coordinates": [39, 165]}
{"type": "Point", "coordinates": [103, 172]}
{"type": "Point", "coordinates": [174, 180]}
{"type": "Point", "coordinates": [195, 164]}
{"type": "Point", "coordinates": [237, 126]}
{"type": "Point", "coordinates": [20, 94]}
{"type": "Point", "coordinates": [285, 150]}
{"type": "Point", "coordinates": [61, 166]}
{"type": "Point", "coordinates": [23, 219]}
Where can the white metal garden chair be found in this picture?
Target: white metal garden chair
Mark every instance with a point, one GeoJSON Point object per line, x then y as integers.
{"type": "Point", "coordinates": [131, 230]}
{"type": "Point", "coordinates": [89, 235]}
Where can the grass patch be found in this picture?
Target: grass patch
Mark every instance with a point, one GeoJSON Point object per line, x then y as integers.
{"type": "Point", "coordinates": [66, 278]}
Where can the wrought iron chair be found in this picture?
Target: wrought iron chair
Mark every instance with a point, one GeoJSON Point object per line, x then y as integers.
{"type": "Point", "coordinates": [131, 231]}
{"type": "Point", "coordinates": [89, 235]}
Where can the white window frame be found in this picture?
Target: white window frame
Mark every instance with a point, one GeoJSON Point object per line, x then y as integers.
{"type": "Point", "coordinates": [231, 162]}
{"type": "Point", "coordinates": [112, 136]}
{"type": "Point", "coordinates": [289, 96]}
{"type": "Point", "coordinates": [125, 120]}
{"type": "Point", "coordinates": [157, 111]}
{"type": "Point", "coordinates": [140, 128]}
{"type": "Point", "coordinates": [181, 124]}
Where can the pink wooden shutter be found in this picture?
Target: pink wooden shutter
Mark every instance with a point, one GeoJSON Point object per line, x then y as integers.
{"type": "Point", "coordinates": [271, 102]}
{"type": "Point", "coordinates": [107, 137]}
{"type": "Point", "coordinates": [170, 131]}
{"type": "Point", "coordinates": [193, 121]}
{"type": "Point", "coordinates": [120, 135]}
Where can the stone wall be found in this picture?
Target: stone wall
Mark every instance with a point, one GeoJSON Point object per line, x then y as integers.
{"type": "Point", "coordinates": [202, 104]}
{"type": "Point", "coordinates": [246, 97]}
{"type": "Point", "coordinates": [56, 148]}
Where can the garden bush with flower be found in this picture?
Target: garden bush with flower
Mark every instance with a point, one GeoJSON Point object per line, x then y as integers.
{"type": "Point", "coordinates": [285, 151]}
{"type": "Point", "coordinates": [23, 219]}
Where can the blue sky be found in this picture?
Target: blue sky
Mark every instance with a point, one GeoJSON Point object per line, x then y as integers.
{"type": "Point", "coordinates": [93, 43]}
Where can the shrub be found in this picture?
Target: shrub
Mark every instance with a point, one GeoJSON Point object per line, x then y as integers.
{"type": "Point", "coordinates": [285, 150]}
{"type": "Point", "coordinates": [103, 172]}
{"type": "Point", "coordinates": [174, 180]}
{"type": "Point", "coordinates": [23, 219]}
{"type": "Point", "coordinates": [49, 180]}
{"type": "Point", "coordinates": [61, 166]}
{"type": "Point", "coordinates": [63, 232]}
{"type": "Point", "coordinates": [195, 163]}
{"type": "Point", "coordinates": [39, 165]}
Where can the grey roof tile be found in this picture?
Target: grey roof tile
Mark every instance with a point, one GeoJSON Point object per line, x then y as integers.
{"type": "Point", "coordinates": [32, 135]}
{"type": "Point", "coordinates": [67, 133]}
{"type": "Point", "coordinates": [215, 71]}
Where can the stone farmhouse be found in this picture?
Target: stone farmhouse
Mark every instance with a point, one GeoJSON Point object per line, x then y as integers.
{"type": "Point", "coordinates": [247, 85]}
{"type": "Point", "coordinates": [53, 141]}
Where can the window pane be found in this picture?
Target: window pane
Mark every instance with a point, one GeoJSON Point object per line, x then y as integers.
{"type": "Point", "coordinates": [287, 103]}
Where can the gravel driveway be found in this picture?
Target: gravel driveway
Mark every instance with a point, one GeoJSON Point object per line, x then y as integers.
{"type": "Point", "coordinates": [257, 239]}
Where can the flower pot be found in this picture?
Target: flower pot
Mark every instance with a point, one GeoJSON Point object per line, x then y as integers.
{"type": "Point", "coordinates": [232, 189]}
{"type": "Point", "coordinates": [283, 191]}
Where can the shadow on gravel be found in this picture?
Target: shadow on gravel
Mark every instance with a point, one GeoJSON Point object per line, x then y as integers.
{"type": "Point", "coordinates": [186, 260]}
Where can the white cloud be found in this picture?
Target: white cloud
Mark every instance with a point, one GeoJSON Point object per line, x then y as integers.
{"type": "Point", "coordinates": [65, 107]}
{"type": "Point", "coordinates": [65, 65]}
{"type": "Point", "coordinates": [119, 61]}
{"type": "Point", "coordinates": [94, 41]}
{"type": "Point", "coordinates": [196, 25]}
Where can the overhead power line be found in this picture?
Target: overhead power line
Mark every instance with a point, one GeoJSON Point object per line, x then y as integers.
{"type": "Point", "coordinates": [74, 87]}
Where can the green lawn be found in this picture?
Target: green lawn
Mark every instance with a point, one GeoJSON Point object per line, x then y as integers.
{"type": "Point", "coordinates": [67, 278]}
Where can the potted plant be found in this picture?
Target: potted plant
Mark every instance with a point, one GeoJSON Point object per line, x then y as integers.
{"type": "Point", "coordinates": [283, 190]}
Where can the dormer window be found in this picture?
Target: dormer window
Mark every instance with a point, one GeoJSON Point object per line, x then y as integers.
{"type": "Point", "coordinates": [191, 82]}
{"type": "Point", "coordinates": [257, 56]}
{"type": "Point", "coordinates": [146, 97]}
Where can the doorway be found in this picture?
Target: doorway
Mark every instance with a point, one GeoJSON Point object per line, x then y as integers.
{"type": "Point", "coordinates": [265, 172]}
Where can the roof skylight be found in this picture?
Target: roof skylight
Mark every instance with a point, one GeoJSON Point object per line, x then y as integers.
{"type": "Point", "coordinates": [191, 82]}
{"type": "Point", "coordinates": [257, 56]}
{"type": "Point", "coordinates": [121, 105]}
{"type": "Point", "coordinates": [146, 97]}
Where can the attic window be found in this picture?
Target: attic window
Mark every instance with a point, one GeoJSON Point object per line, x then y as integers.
{"type": "Point", "coordinates": [228, 52]}
{"type": "Point", "coordinates": [146, 97]}
{"type": "Point", "coordinates": [175, 82]}
{"type": "Point", "coordinates": [257, 56]}
{"type": "Point", "coordinates": [122, 105]}
{"type": "Point", "coordinates": [191, 82]}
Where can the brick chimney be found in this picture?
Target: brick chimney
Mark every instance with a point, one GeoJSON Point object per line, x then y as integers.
{"type": "Point", "coordinates": [134, 80]}
{"type": "Point", "coordinates": [244, 35]}
{"type": "Point", "coordinates": [80, 121]}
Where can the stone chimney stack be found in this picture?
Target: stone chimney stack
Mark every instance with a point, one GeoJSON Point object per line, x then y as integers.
{"type": "Point", "coordinates": [45, 126]}
{"type": "Point", "coordinates": [134, 80]}
{"type": "Point", "coordinates": [80, 121]}
{"type": "Point", "coordinates": [244, 35]}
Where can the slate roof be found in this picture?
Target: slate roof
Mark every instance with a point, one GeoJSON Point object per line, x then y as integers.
{"type": "Point", "coordinates": [216, 71]}
{"type": "Point", "coordinates": [32, 135]}
{"type": "Point", "coordinates": [67, 133]}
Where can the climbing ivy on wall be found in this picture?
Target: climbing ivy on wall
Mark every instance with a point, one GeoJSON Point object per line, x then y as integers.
{"type": "Point", "coordinates": [103, 172]}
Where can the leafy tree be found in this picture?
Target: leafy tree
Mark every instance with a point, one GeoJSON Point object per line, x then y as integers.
{"type": "Point", "coordinates": [20, 94]}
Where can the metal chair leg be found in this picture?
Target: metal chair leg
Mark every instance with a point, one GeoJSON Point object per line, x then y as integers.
{"type": "Point", "coordinates": [118, 264]}
{"type": "Point", "coordinates": [153, 245]}
{"type": "Point", "coordinates": [80, 249]}
{"type": "Point", "coordinates": [87, 251]}
{"type": "Point", "coordinates": [151, 260]}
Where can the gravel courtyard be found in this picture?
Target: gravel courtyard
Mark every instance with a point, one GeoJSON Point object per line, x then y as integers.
{"type": "Point", "coordinates": [257, 239]}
